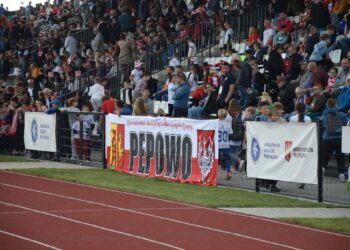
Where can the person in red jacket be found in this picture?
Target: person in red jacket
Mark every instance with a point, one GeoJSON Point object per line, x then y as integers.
{"type": "Point", "coordinates": [283, 20]}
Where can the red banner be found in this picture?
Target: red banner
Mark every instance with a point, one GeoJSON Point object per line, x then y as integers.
{"type": "Point", "coordinates": [183, 156]}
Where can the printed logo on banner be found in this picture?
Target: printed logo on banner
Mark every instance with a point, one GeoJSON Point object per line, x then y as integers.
{"type": "Point", "coordinates": [255, 149]}
{"type": "Point", "coordinates": [288, 150]}
{"type": "Point", "coordinates": [117, 144]}
{"type": "Point", "coordinates": [34, 130]}
{"type": "Point", "coordinates": [206, 151]}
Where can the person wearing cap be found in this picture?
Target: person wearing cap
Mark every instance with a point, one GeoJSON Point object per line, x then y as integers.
{"type": "Point", "coordinates": [55, 105]}
{"type": "Point", "coordinates": [304, 76]}
{"type": "Point", "coordinates": [136, 73]}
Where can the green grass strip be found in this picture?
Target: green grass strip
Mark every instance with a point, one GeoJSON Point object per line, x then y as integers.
{"type": "Point", "coordinates": [193, 194]}
{"type": "Point", "coordinates": [9, 158]}
{"type": "Point", "coordinates": [339, 225]}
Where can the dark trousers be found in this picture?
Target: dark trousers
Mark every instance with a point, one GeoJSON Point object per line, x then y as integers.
{"type": "Point", "coordinates": [180, 112]}
{"type": "Point", "coordinates": [330, 146]}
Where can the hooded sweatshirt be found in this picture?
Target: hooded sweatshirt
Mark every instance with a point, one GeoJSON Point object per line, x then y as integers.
{"type": "Point", "coordinates": [334, 112]}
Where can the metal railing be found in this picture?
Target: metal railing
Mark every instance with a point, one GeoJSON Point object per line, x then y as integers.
{"type": "Point", "coordinates": [81, 138]}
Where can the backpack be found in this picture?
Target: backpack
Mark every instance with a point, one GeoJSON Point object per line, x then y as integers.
{"type": "Point", "coordinates": [237, 128]}
{"type": "Point", "coordinates": [333, 123]}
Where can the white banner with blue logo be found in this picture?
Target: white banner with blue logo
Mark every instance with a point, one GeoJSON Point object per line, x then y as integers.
{"type": "Point", "coordinates": [282, 151]}
{"type": "Point", "coordinates": [345, 142]}
{"type": "Point", "coordinates": [40, 131]}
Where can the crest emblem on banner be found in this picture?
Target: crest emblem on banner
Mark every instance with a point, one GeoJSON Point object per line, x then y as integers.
{"type": "Point", "coordinates": [288, 150]}
{"type": "Point", "coordinates": [205, 151]}
{"type": "Point", "coordinates": [255, 149]}
{"type": "Point", "coordinates": [117, 144]}
{"type": "Point", "coordinates": [34, 130]}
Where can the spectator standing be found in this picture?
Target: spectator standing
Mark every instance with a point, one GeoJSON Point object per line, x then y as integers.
{"type": "Point", "coordinates": [332, 121]}
{"type": "Point", "coordinates": [96, 93]}
{"type": "Point", "coordinates": [70, 43]}
{"type": "Point", "coordinates": [227, 86]}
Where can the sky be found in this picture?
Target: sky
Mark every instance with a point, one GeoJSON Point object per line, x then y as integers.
{"type": "Point", "coordinates": [16, 4]}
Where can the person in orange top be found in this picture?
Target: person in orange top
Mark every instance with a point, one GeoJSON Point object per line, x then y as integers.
{"type": "Point", "coordinates": [253, 36]}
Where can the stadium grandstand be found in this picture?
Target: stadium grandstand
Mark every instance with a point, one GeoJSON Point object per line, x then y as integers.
{"type": "Point", "coordinates": [252, 60]}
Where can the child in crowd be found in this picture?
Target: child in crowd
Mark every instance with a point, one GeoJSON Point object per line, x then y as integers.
{"type": "Point", "coordinates": [250, 114]}
{"type": "Point", "coordinates": [301, 96]}
{"type": "Point", "coordinates": [278, 107]}
{"type": "Point", "coordinates": [264, 112]}
{"type": "Point", "coordinates": [225, 130]}
{"type": "Point", "coordinates": [126, 94]}
{"type": "Point", "coordinates": [87, 127]}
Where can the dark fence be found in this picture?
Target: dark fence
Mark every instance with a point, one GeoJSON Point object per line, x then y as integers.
{"type": "Point", "coordinates": [330, 188]}
{"type": "Point", "coordinates": [81, 138]}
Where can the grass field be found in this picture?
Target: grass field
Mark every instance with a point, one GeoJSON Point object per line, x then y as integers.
{"type": "Point", "coordinates": [205, 196]}
{"type": "Point", "coordinates": [9, 158]}
{"type": "Point", "coordinates": [339, 225]}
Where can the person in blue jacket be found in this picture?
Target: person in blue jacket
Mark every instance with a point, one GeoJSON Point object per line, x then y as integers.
{"type": "Point", "coordinates": [332, 121]}
{"type": "Point", "coordinates": [181, 96]}
{"type": "Point", "coordinates": [56, 104]}
{"type": "Point", "coordinates": [344, 96]}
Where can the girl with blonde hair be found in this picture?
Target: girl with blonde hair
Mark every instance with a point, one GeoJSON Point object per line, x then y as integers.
{"type": "Point", "coordinates": [140, 108]}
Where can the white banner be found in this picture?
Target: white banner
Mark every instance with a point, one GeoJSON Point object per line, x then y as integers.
{"type": "Point", "coordinates": [40, 131]}
{"type": "Point", "coordinates": [173, 149]}
{"type": "Point", "coordinates": [282, 151]}
{"type": "Point", "coordinates": [345, 140]}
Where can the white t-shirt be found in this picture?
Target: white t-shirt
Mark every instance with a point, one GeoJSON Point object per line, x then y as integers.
{"type": "Point", "coordinates": [268, 33]}
{"type": "Point", "coordinates": [137, 74]}
{"type": "Point", "coordinates": [97, 91]}
{"type": "Point", "coordinates": [228, 36]}
{"type": "Point", "coordinates": [222, 39]}
{"type": "Point", "coordinates": [224, 131]}
{"type": "Point", "coordinates": [193, 82]}
{"type": "Point", "coordinates": [192, 50]}
{"type": "Point", "coordinates": [171, 91]}
{"type": "Point", "coordinates": [296, 117]}
{"type": "Point", "coordinates": [174, 62]}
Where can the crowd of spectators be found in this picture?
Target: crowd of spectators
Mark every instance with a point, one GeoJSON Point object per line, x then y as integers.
{"type": "Point", "coordinates": [295, 65]}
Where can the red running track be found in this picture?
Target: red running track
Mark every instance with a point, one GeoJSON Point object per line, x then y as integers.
{"type": "Point", "coordinates": [39, 213]}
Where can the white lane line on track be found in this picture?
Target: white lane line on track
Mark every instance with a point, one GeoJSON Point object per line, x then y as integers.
{"type": "Point", "coordinates": [99, 210]}
{"type": "Point", "coordinates": [30, 240]}
{"type": "Point", "coordinates": [154, 216]}
{"type": "Point", "coordinates": [182, 203]}
{"type": "Point", "coordinates": [93, 225]}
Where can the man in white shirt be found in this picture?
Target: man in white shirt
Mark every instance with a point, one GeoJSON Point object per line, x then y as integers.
{"type": "Point", "coordinates": [96, 92]}
{"type": "Point", "coordinates": [268, 34]}
{"type": "Point", "coordinates": [70, 43]}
